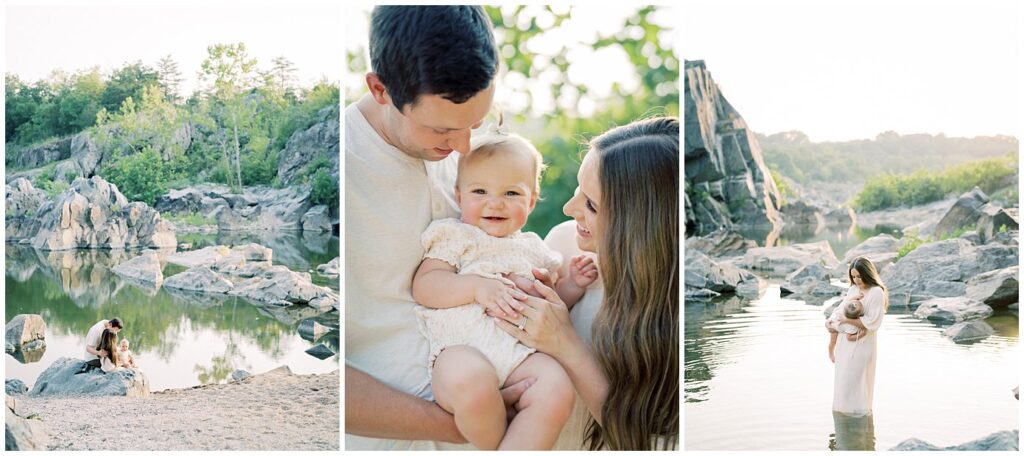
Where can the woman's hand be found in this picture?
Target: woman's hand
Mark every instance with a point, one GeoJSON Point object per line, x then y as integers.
{"type": "Point", "coordinates": [526, 283]}
{"type": "Point", "coordinates": [548, 327]}
{"type": "Point", "coordinates": [855, 337]}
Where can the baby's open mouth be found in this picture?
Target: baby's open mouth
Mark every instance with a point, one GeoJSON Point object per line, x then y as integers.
{"type": "Point", "coordinates": [495, 219]}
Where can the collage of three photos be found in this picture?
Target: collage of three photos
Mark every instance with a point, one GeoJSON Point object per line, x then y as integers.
{"type": "Point", "coordinates": [681, 227]}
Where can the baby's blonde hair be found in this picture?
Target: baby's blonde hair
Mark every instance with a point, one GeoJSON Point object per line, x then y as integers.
{"type": "Point", "coordinates": [125, 342]}
{"type": "Point", "coordinates": [497, 140]}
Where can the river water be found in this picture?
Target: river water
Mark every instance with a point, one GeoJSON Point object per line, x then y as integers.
{"type": "Point", "coordinates": [758, 377]}
{"type": "Point", "coordinates": [179, 341]}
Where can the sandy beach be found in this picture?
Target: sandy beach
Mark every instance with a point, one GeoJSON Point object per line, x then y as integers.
{"type": "Point", "coordinates": [275, 410]}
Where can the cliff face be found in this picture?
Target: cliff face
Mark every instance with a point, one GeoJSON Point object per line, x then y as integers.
{"type": "Point", "coordinates": [727, 182]}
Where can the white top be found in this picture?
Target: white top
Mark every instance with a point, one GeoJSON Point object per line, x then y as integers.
{"type": "Point", "coordinates": [93, 338]}
{"type": "Point", "coordinates": [390, 199]}
{"type": "Point", "coordinates": [472, 251]}
{"type": "Point", "coordinates": [854, 386]}
{"type": "Point", "coordinates": [562, 239]}
{"type": "Point", "coordinates": [108, 366]}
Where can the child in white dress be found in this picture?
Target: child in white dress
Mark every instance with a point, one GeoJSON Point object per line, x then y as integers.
{"type": "Point", "coordinates": [460, 280]}
{"type": "Point", "coordinates": [853, 309]}
{"type": "Point", "coordinates": [126, 356]}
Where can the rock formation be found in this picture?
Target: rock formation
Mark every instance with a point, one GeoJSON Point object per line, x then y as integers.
{"type": "Point", "coordinates": [62, 378]}
{"type": "Point", "coordinates": [93, 214]}
{"type": "Point", "coordinates": [727, 181]}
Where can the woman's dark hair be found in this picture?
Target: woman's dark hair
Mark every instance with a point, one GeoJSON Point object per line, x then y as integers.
{"type": "Point", "coordinates": [869, 275]}
{"type": "Point", "coordinates": [447, 50]}
{"type": "Point", "coordinates": [636, 331]}
{"type": "Point", "coordinates": [108, 342]}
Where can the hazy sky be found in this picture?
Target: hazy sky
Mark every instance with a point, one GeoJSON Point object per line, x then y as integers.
{"type": "Point", "coordinates": [42, 38]}
{"type": "Point", "coordinates": [841, 72]}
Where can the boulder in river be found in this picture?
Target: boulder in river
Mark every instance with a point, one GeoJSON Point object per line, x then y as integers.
{"type": "Point", "coordinates": [786, 259]}
{"type": "Point", "coordinates": [950, 310]}
{"type": "Point", "coordinates": [968, 331]}
{"type": "Point", "coordinates": [199, 279]}
{"type": "Point", "coordinates": [998, 288]}
{"type": "Point", "coordinates": [25, 332]}
{"type": "Point", "coordinates": [144, 268]}
{"type": "Point", "coordinates": [999, 441]}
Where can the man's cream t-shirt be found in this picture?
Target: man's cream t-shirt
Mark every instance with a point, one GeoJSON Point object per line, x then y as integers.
{"type": "Point", "coordinates": [390, 198]}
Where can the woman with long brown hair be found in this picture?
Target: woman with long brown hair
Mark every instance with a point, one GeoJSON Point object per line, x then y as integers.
{"type": "Point", "coordinates": [108, 342]}
{"type": "Point", "coordinates": [626, 372]}
{"type": "Point", "coordinates": [856, 354]}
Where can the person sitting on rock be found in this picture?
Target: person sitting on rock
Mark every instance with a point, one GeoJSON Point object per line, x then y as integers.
{"type": "Point", "coordinates": [111, 362]}
{"type": "Point", "coordinates": [92, 341]}
{"type": "Point", "coordinates": [125, 355]}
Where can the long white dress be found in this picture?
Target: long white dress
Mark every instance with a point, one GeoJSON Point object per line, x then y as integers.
{"type": "Point", "coordinates": [855, 361]}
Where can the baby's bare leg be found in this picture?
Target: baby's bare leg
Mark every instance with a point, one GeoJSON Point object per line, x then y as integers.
{"type": "Point", "coordinates": [466, 385]}
{"type": "Point", "coordinates": [544, 407]}
{"type": "Point", "coordinates": [832, 345]}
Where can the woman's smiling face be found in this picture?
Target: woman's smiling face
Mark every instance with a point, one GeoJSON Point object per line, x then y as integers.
{"type": "Point", "coordinates": [584, 207]}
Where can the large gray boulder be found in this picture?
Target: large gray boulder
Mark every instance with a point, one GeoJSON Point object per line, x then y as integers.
{"type": "Point", "coordinates": [941, 269]}
{"type": "Point", "coordinates": [720, 243]}
{"type": "Point", "coordinates": [22, 434]}
{"type": "Point", "coordinates": [93, 214]}
{"type": "Point", "coordinates": [704, 273]}
{"type": "Point", "coordinates": [998, 288]}
{"type": "Point", "coordinates": [727, 181]}
{"type": "Point", "coordinates": [319, 141]}
{"type": "Point", "coordinates": [1000, 441]}
{"type": "Point", "coordinates": [320, 351]}
{"type": "Point", "coordinates": [965, 212]}
{"type": "Point", "coordinates": [968, 331]}
{"type": "Point", "coordinates": [25, 332]}
{"type": "Point", "coordinates": [199, 279]}
{"type": "Point", "coordinates": [62, 378]}
{"type": "Point", "coordinates": [221, 256]}
{"type": "Point", "coordinates": [786, 259]}
{"type": "Point", "coordinates": [802, 213]}
{"type": "Point", "coordinates": [317, 219]}
{"type": "Point", "coordinates": [144, 268]}
{"type": "Point", "coordinates": [948, 310]}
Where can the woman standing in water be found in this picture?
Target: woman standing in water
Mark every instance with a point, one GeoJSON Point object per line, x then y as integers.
{"type": "Point", "coordinates": [856, 353]}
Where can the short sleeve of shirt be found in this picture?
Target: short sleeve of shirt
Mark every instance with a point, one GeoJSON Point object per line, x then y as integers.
{"type": "Point", "coordinates": [447, 240]}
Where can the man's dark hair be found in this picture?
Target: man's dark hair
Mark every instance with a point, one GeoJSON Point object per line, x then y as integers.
{"type": "Point", "coordinates": [116, 322]}
{"type": "Point", "coordinates": [446, 50]}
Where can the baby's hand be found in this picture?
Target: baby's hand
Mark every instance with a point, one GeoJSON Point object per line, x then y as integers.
{"type": "Point", "coordinates": [497, 297]}
{"type": "Point", "coordinates": [582, 271]}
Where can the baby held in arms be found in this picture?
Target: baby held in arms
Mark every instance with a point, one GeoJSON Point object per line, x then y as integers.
{"type": "Point", "coordinates": [852, 310]}
{"type": "Point", "coordinates": [461, 279]}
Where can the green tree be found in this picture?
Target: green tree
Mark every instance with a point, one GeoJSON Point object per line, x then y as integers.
{"type": "Point", "coordinates": [169, 77]}
{"type": "Point", "coordinates": [230, 72]}
{"type": "Point", "coordinates": [128, 81]}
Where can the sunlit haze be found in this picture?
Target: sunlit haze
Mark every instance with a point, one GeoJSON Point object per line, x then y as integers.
{"type": "Point", "coordinates": [854, 69]}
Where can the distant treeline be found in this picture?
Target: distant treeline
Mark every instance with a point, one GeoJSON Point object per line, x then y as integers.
{"type": "Point", "coordinates": [796, 157]}
{"type": "Point", "coordinates": [921, 187]}
{"type": "Point", "coordinates": [229, 131]}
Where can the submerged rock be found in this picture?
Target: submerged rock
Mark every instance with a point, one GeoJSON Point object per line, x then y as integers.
{"type": "Point", "coordinates": [280, 285]}
{"type": "Point", "coordinates": [789, 258]}
{"type": "Point", "coordinates": [703, 272]}
{"type": "Point", "coordinates": [311, 330]}
{"type": "Point", "coordinates": [968, 331]}
{"type": "Point", "coordinates": [199, 279]}
{"type": "Point", "coordinates": [330, 269]}
{"type": "Point", "coordinates": [145, 268]}
{"type": "Point", "coordinates": [1000, 441]}
{"type": "Point", "coordinates": [62, 378]}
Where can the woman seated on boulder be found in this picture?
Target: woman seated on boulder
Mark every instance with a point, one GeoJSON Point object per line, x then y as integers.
{"type": "Point", "coordinates": [108, 343]}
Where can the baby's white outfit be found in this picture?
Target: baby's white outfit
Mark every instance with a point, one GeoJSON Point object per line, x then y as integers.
{"type": "Point", "coordinates": [472, 251]}
{"type": "Point", "coordinates": [841, 327]}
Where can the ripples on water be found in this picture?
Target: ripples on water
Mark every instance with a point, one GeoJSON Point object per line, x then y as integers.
{"type": "Point", "coordinates": [758, 377]}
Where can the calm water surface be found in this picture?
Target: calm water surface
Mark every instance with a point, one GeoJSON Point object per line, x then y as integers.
{"type": "Point", "coordinates": [758, 377]}
{"type": "Point", "coordinates": [178, 340]}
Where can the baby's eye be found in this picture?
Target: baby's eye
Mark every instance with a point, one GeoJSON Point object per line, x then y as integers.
{"type": "Point", "coordinates": [479, 191]}
{"type": "Point", "coordinates": [511, 193]}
